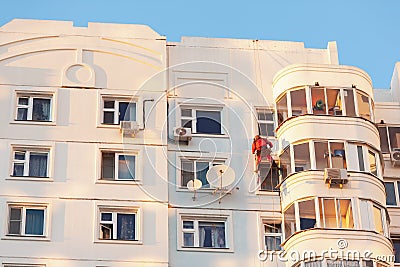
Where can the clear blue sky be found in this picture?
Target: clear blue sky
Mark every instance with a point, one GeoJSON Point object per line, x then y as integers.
{"type": "Point", "coordinates": [366, 30]}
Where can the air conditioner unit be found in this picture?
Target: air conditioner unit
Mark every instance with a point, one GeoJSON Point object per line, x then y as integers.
{"type": "Point", "coordinates": [335, 177]}
{"type": "Point", "coordinates": [182, 134]}
{"type": "Point", "coordinates": [395, 156]}
{"type": "Point", "coordinates": [129, 128]}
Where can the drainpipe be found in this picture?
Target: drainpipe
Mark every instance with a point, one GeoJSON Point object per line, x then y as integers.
{"type": "Point", "coordinates": [144, 111]}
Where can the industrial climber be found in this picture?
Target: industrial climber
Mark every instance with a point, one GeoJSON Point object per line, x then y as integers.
{"type": "Point", "coordinates": [262, 148]}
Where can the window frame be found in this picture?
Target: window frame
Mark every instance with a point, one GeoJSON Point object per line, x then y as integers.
{"type": "Point", "coordinates": [28, 150]}
{"type": "Point", "coordinates": [26, 206]}
{"type": "Point", "coordinates": [266, 122]}
{"type": "Point", "coordinates": [396, 183]}
{"type": "Point", "coordinates": [31, 95]}
{"type": "Point", "coordinates": [310, 105]}
{"type": "Point", "coordinates": [116, 110]}
{"type": "Point", "coordinates": [388, 140]}
{"type": "Point", "coordinates": [205, 216]}
{"type": "Point", "coordinates": [211, 163]}
{"type": "Point", "coordinates": [264, 222]}
{"type": "Point", "coordinates": [122, 210]}
{"type": "Point", "coordinates": [117, 153]}
{"type": "Point", "coordinates": [193, 118]}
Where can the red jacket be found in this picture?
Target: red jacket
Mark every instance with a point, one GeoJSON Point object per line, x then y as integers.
{"type": "Point", "coordinates": [260, 142]}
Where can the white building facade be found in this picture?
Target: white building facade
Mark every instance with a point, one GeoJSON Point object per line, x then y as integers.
{"type": "Point", "coordinates": [105, 126]}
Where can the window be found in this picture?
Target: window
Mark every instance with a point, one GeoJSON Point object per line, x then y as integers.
{"type": "Point", "coordinates": [349, 102]}
{"type": "Point", "coordinates": [115, 111]}
{"type": "Point", "coordinates": [30, 162]}
{"type": "Point", "coordinates": [117, 166]}
{"type": "Point", "coordinates": [289, 221]}
{"type": "Point", "coordinates": [392, 193]}
{"type": "Point", "coordinates": [272, 236]}
{"type": "Point", "coordinates": [266, 122]}
{"type": "Point", "coordinates": [330, 155]}
{"type": "Point", "coordinates": [317, 263]}
{"type": "Point", "coordinates": [301, 157]}
{"type": "Point", "coordinates": [298, 102]}
{"type": "Point", "coordinates": [33, 108]}
{"type": "Point", "coordinates": [282, 109]}
{"type": "Point", "coordinates": [389, 137]}
{"type": "Point", "coordinates": [383, 134]}
{"type": "Point", "coordinates": [285, 164]}
{"type": "Point", "coordinates": [201, 121]}
{"type": "Point", "coordinates": [363, 106]}
{"type": "Point", "coordinates": [26, 220]}
{"type": "Point", "coordinates": [396, 246]}
{"type": "Point", "coordinates": [269, 176]}
{"type": "Point", "coordinates": [372, 162]}
{"type": "Point", "coordinates": [318, 100]}
{"type": "Point", "coordinates": [307, 214]}
{"type": "Point", "coordinates": [118, 224]}
{"type": "Point", "coordinates": [196, 169]}
{"type": "Point", "coordinates": [360, 155]}
{"type": "Point", "coordinates": [336, 213]}
{"type": "Point", "coordinates": [203, 233]}
{"type": "Point", "coordinates": [334, 102]}
{"type": "Point", "coordinates": [378, 219]}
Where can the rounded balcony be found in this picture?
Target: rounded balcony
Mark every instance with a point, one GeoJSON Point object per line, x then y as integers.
{"type": "Point", "coordinates": [311, 74]}
{"type": "Point", "coordinates": [336, 91]}
{"type": "Point", "coordinates": [336, 244]}
{"type": "Point", "coordinates": [342, 128]}
{"type": "Point", "coordinates": [306, 184]}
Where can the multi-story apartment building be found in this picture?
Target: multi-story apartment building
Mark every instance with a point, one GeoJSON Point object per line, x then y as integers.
{"type": "Point", "coordinates": [80, 188]}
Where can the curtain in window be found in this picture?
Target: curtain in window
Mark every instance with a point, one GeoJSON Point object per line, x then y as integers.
{"type": "Point", "coordinates": [201, 171]}
{"type": "Point", "coordinates": [126, 167]}
{"type": "Point", "coordinates": [41, 109]}
{"type": "Point", "coordinates": [126, 226]}
{"type": "Point", "coordinates": [38, 165]}
{"type": "Point", "coordinates": [212, 235]}
{"type": "Point", "coordinates": [34, 222]}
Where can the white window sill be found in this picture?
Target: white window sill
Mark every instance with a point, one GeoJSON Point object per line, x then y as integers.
{"type": "Point", "coordinates": [29, 178]}
{"type": "Point", "coordinates": [203, 135]}
{"type": "Point", "coordinates": [267, 193]}
{"type": "Point", "coordinates": [120, 182]}
{"type": "Point", "coordinates": [200, 249]}
{"type": "Point", "coordinates": [122, 242]}
{"type": "Point", "coordinates": [43, 123]}
{"type": "Point", "coordinates": [111, 126]}
{"type": "Point", "coordinates": [26, 238]}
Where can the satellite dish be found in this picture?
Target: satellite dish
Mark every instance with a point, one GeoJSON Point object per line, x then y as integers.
{"type": "Point", "coordinates": [220, 176]}
{"type": "Point", "coordinates": [194, 185]}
